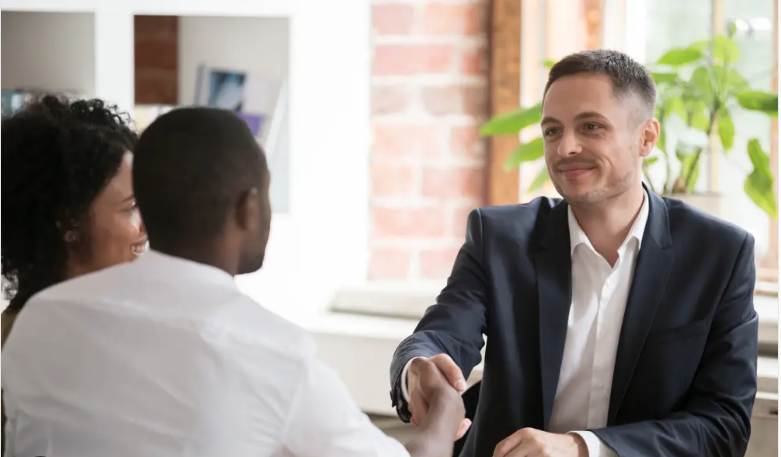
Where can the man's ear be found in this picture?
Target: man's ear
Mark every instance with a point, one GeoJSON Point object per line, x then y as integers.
{"type": "Point", "coordinates": [248, 210]}
{"type": "Point", "coordinates": [649, 136]}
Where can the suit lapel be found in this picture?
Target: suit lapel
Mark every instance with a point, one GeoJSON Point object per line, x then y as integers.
{"type": "Point", "coordinates": [650, 277]}
{"type": "Point", "coordinates": [554, 270]}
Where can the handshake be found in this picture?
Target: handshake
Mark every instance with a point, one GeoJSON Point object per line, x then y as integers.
{"type": "Point", "coordinates": [435, 385]}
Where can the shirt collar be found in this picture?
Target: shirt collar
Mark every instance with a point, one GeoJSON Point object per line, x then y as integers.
{"type": "Point", "coordinates": [156, 262]}
{"type": "Point", "coordinates": [578, 237]}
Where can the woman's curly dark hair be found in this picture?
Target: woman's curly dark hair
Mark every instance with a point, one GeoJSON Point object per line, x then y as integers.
{"type": "Point", "coordinates": [57, 156]}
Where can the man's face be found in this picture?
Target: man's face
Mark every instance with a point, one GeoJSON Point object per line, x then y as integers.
{"type": "Point", "coordinates": [594, 142]}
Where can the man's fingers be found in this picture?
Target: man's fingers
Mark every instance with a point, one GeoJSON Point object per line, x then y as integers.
{"type": "Point", "coordinates": [463, 428]}
{"type": "Point", "coordinates": [506, 446]}
{"type": "Point", "coordinates": [451, 371]}
{"type": "Point", "coordinates": [418, 406]}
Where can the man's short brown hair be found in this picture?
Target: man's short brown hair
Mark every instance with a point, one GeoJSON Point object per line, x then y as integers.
{"type": "Point", "coordinates": [627, 76]}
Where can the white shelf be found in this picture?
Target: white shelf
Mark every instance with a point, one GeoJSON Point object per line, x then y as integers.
{"type": "Point", "coordinates": [323, 240]}
{"type": "Point", "coordinates": [254, 8]}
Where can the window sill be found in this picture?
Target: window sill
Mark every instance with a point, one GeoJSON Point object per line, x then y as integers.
{"type": "Point", "coordinates": [360, 333]}
{"type": "Point", "coordinates": [410, 301]}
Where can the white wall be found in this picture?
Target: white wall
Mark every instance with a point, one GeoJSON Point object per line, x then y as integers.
{"type": "Point", "coordinates": [260, 48]}
{"type": "Point", "coordinates": [35, 55]}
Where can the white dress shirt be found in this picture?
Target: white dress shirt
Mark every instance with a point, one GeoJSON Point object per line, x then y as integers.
{"type": "Point", "coordinates": [166, 357]}
{"type": "Point", "coordinates": [599, 295]}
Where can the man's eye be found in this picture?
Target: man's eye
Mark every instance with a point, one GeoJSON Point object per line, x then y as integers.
{"type": "Point", "coordinates": [591, 126]}
{"type": "Point", "coordinates": [551, 131]}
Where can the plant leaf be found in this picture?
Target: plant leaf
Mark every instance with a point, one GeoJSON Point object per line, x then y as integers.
{"type": "Point", "coordinates": [548, 63]}
{"type": "Point", "coordinates": [759, 158]}
{"type": "Point", "coordinates": [726, 130]}
{"type": "Point", "coordinates": [539, 180]}
{"type": "Point", "coordinates": [527, 152]}
{"type": "Point", "coordinates": [698, 114]}
{"type": "Point", "coordinates": [687, 162]}
{"type": "Point", "coordinates": [700, 84]}
{"type": "Point", "coordinates": [662, 78]}
{"type": "Point", "coordinates": [759, 183]}
{"type": "Point", "coordinates": [735, 82]}
{"type": "Point", "coordinates": [725, 50]}
{"type": "Point", "coordinates": [759, 101]}
{"type": "Point", "coordinates": [759, 188]}
{"type": "Point", "coordinates": [680, 56]}
{"type": "Point", "coordinates": [513, 122]}
{"type": "Point", "coordinates": [676, 106]}
{"type": "Point", "coordinates": [650, 161]}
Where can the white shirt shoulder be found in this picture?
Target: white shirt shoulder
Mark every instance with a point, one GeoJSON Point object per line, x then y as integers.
{"type": "Point", "coordinates": [150, 362]}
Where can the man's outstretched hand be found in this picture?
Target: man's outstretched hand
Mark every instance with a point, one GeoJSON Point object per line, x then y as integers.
{"type": "Point", "coordinates": [530, 442]}
{"type": "Point", "coordinates": [422, 383]}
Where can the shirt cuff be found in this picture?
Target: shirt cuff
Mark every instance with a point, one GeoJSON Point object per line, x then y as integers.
{"type": "Point", "coordinates": [404, 391]}
{"type": "Point", "coordinates": [595, 446]}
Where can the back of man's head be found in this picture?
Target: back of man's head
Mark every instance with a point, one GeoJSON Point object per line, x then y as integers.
{"type": "Point", "coordinates": [201, 183]}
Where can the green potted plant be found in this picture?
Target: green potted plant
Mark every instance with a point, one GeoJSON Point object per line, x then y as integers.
{"type": "Point", "coordinates": [698, 87]}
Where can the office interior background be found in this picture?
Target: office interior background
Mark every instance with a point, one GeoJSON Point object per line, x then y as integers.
{"type": "Point", "coordinates": [372, 115]}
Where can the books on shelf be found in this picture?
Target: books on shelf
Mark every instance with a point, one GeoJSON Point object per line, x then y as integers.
{"type": "Point", "coordinates": [253, 97]}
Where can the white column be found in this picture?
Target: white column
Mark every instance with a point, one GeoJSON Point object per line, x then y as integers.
{"type": "Point", "coordinates": [114, 54]}
{"type": "Point", "coordinates": [624, 27]}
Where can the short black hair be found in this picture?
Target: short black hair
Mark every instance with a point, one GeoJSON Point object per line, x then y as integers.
{"type": "Point", "coordinates": [58, 155]}
{"type": "Point", "coordinates": [190, 166]}
{"type": "Point", "coordinates": [627, 76]}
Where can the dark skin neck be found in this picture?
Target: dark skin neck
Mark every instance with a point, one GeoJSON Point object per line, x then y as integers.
{"type": "Point", "coordinates": [213, 254]}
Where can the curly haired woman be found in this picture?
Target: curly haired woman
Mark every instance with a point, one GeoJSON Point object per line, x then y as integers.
{"type": "Point", "coordinates": [67, 197]}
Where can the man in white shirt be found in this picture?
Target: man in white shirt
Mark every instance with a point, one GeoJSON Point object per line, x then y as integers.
{"type": "Point", "coordinates": [617, 322]}
{"type": "Point", "coordinates": [165, 356]}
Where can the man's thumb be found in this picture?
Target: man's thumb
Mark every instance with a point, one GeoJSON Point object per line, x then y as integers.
{"type": "Point", "coordinates": [451, 371]}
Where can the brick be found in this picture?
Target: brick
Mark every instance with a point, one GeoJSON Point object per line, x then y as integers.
{"type": "Point", "coordinates": [458, 217]}
{"type": "Point", "coordinates": [463, 19]}
{"type": "Point", "coordinates": [393, 18]}
{"type": "Point", "coordinates": [427, 222]}
{"type": "Point", "coordinates": [457, 99]}
{"type": "Point", "coordinates": [393, 99]}
{"type": "Point", "coordinates": [413, 59]}
{"type": "Point", "coordinates": [473, 62]}
{"type": "Point", "coordinates": [407, 139]}
{"type": "Point", "coordinates": [437, 263]}
{"type": "Point", "coordinates": [389, 263]}
{"type": "Point", "coordinates": [391, 180]}
{"type": "Point", "coordinates": [465, 141]}
{"type": "Point", "coordinates": [453, 182]}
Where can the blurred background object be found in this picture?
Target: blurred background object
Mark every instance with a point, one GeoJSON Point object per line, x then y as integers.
{"type": "Point", "coordinates": [371, 114]}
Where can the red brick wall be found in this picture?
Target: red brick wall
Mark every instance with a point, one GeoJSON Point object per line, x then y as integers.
{"type": "Point", "coordinates": [429, 96]}
{"type": "Point", "coordinates": [156, 59]}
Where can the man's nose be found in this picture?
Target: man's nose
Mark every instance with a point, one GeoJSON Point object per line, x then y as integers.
{"type": "Point", "coordinates": [569, 144]}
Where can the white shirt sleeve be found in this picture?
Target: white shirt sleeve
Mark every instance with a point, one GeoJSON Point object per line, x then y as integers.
{"type": "Point", "coordinates": [595, 446]}
{"type": "Point", "coordinates": [10, 427]}
{"type": "Point", "coordinates": [325, 422]}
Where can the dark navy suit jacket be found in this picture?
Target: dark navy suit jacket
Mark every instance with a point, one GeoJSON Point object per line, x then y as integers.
{"type": "Point", "coordinates": [685, 374]}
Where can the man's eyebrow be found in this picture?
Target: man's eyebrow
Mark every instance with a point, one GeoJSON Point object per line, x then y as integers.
{"type": "Point", "coordinates": [589, 115]}
{"type": "Point", "coordinates": [580, 116]}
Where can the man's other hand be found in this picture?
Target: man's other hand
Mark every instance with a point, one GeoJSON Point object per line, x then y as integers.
{"type": "Point", "coordinates": [529, 442]}
{"type": "Point", "coordinates": [430, 378]}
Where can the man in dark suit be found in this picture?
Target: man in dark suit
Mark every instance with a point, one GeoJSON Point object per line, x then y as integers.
{"type": "Point", "coordinates": [617, 322]}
